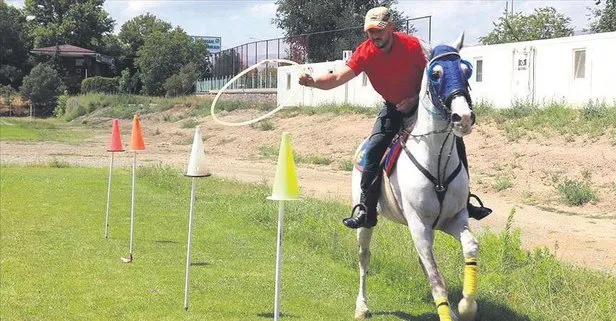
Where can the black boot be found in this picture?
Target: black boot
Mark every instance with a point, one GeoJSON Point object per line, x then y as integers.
{"type": "Point", "coordinates": [364, 213]}
{"type": "Point", "coordinates": [477, 212]}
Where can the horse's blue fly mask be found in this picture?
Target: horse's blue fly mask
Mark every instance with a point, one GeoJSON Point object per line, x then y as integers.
{"type": "Point", "coordinates": [448, 76]}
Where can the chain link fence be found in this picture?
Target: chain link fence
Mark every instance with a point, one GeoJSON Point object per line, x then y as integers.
{"type": "Point", "coordinates": [306, 48]}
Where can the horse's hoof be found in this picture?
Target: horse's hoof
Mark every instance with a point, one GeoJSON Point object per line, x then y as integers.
{"type": "Point", "coordinates": [467, 309]}
{"type": "Point", "coordinates": [363, 315]}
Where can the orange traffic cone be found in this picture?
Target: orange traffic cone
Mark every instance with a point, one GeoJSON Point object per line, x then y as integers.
{"type": "Point", "coordinates": [115, 140]}
{"type": "Point", "coordinates": [136, 137]}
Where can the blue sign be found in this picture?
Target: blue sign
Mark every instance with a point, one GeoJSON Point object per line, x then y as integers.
{"type": "Point", "coordinates": [213, 44]}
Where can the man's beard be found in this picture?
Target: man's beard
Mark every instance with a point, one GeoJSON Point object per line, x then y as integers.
{"type": "Point", "coordinates": [380, 43]}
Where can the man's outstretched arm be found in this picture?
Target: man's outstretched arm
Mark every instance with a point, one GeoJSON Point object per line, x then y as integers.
{"type": "Point", "coordinates": [329, 80]}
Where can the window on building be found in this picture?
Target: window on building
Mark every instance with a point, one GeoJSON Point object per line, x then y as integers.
{"type": "Point", "coordinates": [478, 69]}
{"type": "Point", "coordinates": [289, 81]}
{"type": "Point", "coordinates": [364, 80]}
{"type": "Point", "coordinates": [579, 63]}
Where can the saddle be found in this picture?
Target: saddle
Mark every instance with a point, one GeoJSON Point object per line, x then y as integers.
{"type": "Point", "coordinates": [389, 159]}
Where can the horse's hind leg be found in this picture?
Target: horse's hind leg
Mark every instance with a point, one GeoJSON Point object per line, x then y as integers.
{"type": "Point", "coordinates": [364, 235]}
{"type": "Point", "coordinates": [459, 229]}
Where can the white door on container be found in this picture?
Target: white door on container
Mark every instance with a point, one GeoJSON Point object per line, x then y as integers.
{"type": "Point", "coordinates": [521, 80]}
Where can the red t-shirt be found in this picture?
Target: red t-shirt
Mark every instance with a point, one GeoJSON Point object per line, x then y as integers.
{"type": "Point", "coordinates": [396, 74]}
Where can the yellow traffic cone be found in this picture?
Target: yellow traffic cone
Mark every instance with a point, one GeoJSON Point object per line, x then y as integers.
{"type": "Point", "coordinates": [196, 163]}
{"type": "Point", "coordinates": [286, 187]}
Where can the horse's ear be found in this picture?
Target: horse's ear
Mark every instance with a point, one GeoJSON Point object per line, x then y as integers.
{"type": "Point", "coordinates": [459, 43]}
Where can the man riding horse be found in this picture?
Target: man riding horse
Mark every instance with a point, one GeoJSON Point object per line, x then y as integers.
{"type": "Point", "coordinates": [394, 62]}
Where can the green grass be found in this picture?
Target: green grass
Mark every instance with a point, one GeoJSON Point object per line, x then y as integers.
{"type": "Point", "coordinates": [346, 165]}
{"type": "Point", "coordinates": [502, 183]}
{"type": "Point", "coordinates": [190, 123]}
{"type": "Point", "coordinates": [550, 118]}
{"type": "Point", "coordinates": [264, 125]}
{"type": "Point", "coordinates": [56, 264]}
{"type": "Point", "coordinates": [39, 130]}
{"type": "Point", "coordinates": [312, 159]}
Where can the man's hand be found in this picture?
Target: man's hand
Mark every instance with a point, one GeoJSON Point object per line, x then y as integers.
{"type": "Point", "coordinates": [306, 80]}
{"type": "Point", "coordinates": [407, 104]}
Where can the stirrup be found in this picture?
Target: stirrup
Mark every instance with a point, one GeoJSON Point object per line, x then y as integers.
{"type": "Point", "coordinates": [477, 212]}
{"type": "Point", "coordinates": [360, 220]}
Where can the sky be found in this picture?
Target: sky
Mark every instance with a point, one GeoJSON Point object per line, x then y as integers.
{"type": "Point", "coordinates": [242, 21]}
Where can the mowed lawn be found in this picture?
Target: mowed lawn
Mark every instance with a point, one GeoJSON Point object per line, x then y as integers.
{"type": "Point", "coordinates": [34, 130]}
{"type": "Point", "coordinates": [57, 265]}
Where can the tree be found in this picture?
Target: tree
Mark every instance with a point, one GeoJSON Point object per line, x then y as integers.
{"type": "Point", "coordinates": [129, 84]}
{"type": "Point", "coordinates": [42, 87]}
{"type": "Point", "coordinates": [163, 54]}
{"type": "Point", "coordinates": [80, 23]}
{"type": "Point", "coordinates": [183, 82]}
{"type": "Point", "coordinates": [298, 17]}
{"type": "Point", "coordinates": [543, 23]}
{"type": "Point", "coordinates": [604, 18]}
{"type": "Point", "coordinates": [7, 93]}
{"type": "Point", "coordinates": [14, 47]}
{"type": "Point", "coordinates": [227, 63]}
{"type": "Point", "coordinates": [134, 32]}
{"type": "Point", "coordinates": [112, 46]}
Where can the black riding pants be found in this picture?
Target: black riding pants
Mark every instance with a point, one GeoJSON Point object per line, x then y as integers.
{"type": "Point", "coordinates": [385, 128]}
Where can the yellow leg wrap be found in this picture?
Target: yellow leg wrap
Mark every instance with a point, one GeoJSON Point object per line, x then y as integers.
{"type": "Point", "coordinates": [442, 308]}
{"type": "Point", "coordinates": [470, 277]}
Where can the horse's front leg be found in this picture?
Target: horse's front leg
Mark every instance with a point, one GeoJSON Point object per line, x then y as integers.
{"type": "Point", "coordinates": [364, 235]}
{"type": "Point", "coordinates": [459, 229]}
{"type": "Point", "coordinates": [423, 237]}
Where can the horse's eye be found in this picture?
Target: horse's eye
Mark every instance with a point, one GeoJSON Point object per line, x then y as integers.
{"type": "Point", "coordinates": [437, 73]}
{"type": "Point", "coordinates": [466, 68]}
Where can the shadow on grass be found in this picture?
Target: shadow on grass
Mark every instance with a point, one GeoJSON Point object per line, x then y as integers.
{"type": "Point", "coordinates": [271, 315]}
{"type": "Point", "coordinates": [487, 311]}
{"type": "Point", "coordinates": [199, 264]}
{"type": "Point", "coordinates": [167, 242]}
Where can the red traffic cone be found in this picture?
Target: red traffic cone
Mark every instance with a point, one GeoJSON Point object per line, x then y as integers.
{"type": "Point", "coordinates": [115, 140]}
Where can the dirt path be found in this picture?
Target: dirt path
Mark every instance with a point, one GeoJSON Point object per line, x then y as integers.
{"type": "Point", "coordinates": [584, 236]}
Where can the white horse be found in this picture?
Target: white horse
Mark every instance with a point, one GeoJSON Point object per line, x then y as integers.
{"type": "Point", "coordinates": [428, 189]}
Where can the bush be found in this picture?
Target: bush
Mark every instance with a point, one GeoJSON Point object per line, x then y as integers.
{"type": "Point", "coordinates": [576, 193]}
{"type": "Point", "coordinates": [61, 106]}
{"type": "Point", "coordinates": [42, 87]}
{"type": "Point", "coordinates": [99, 85]}
{"type": "Point", "coordinates": [183, 82]}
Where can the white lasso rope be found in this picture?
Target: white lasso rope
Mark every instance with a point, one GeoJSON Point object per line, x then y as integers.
{"type": "Point", "coordinates": [248, 122]}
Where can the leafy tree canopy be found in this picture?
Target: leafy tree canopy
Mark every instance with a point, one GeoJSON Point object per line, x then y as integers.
{"type": "Point", "coordinates": [163, 54]}
{"type": "Point", "coordinates": [298, 17]}
{"type": "Point", "coordinates": [543, 23]}
{"type": "Point", "coordinates": [14, 47]}
{"type": "Point", "coordinates": [604, 18]}
{"type": "Point", "coordinates": [80, 23]}
{"type": "Point", "coordinates": [134, 31]}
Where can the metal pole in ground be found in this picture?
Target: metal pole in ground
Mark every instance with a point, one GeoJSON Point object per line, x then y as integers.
{"type": "Point", "coordinates": [108, 198]}
{"type": "Point", "coordinates": [278, 261]}
{"type": "Point", "coordinates": [132, 214]}
{"type": "Point", "coordinates": [190, 226]}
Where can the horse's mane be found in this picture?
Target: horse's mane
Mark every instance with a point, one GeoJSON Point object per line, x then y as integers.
{"type": "Point", "coordinates": [426, 48]}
